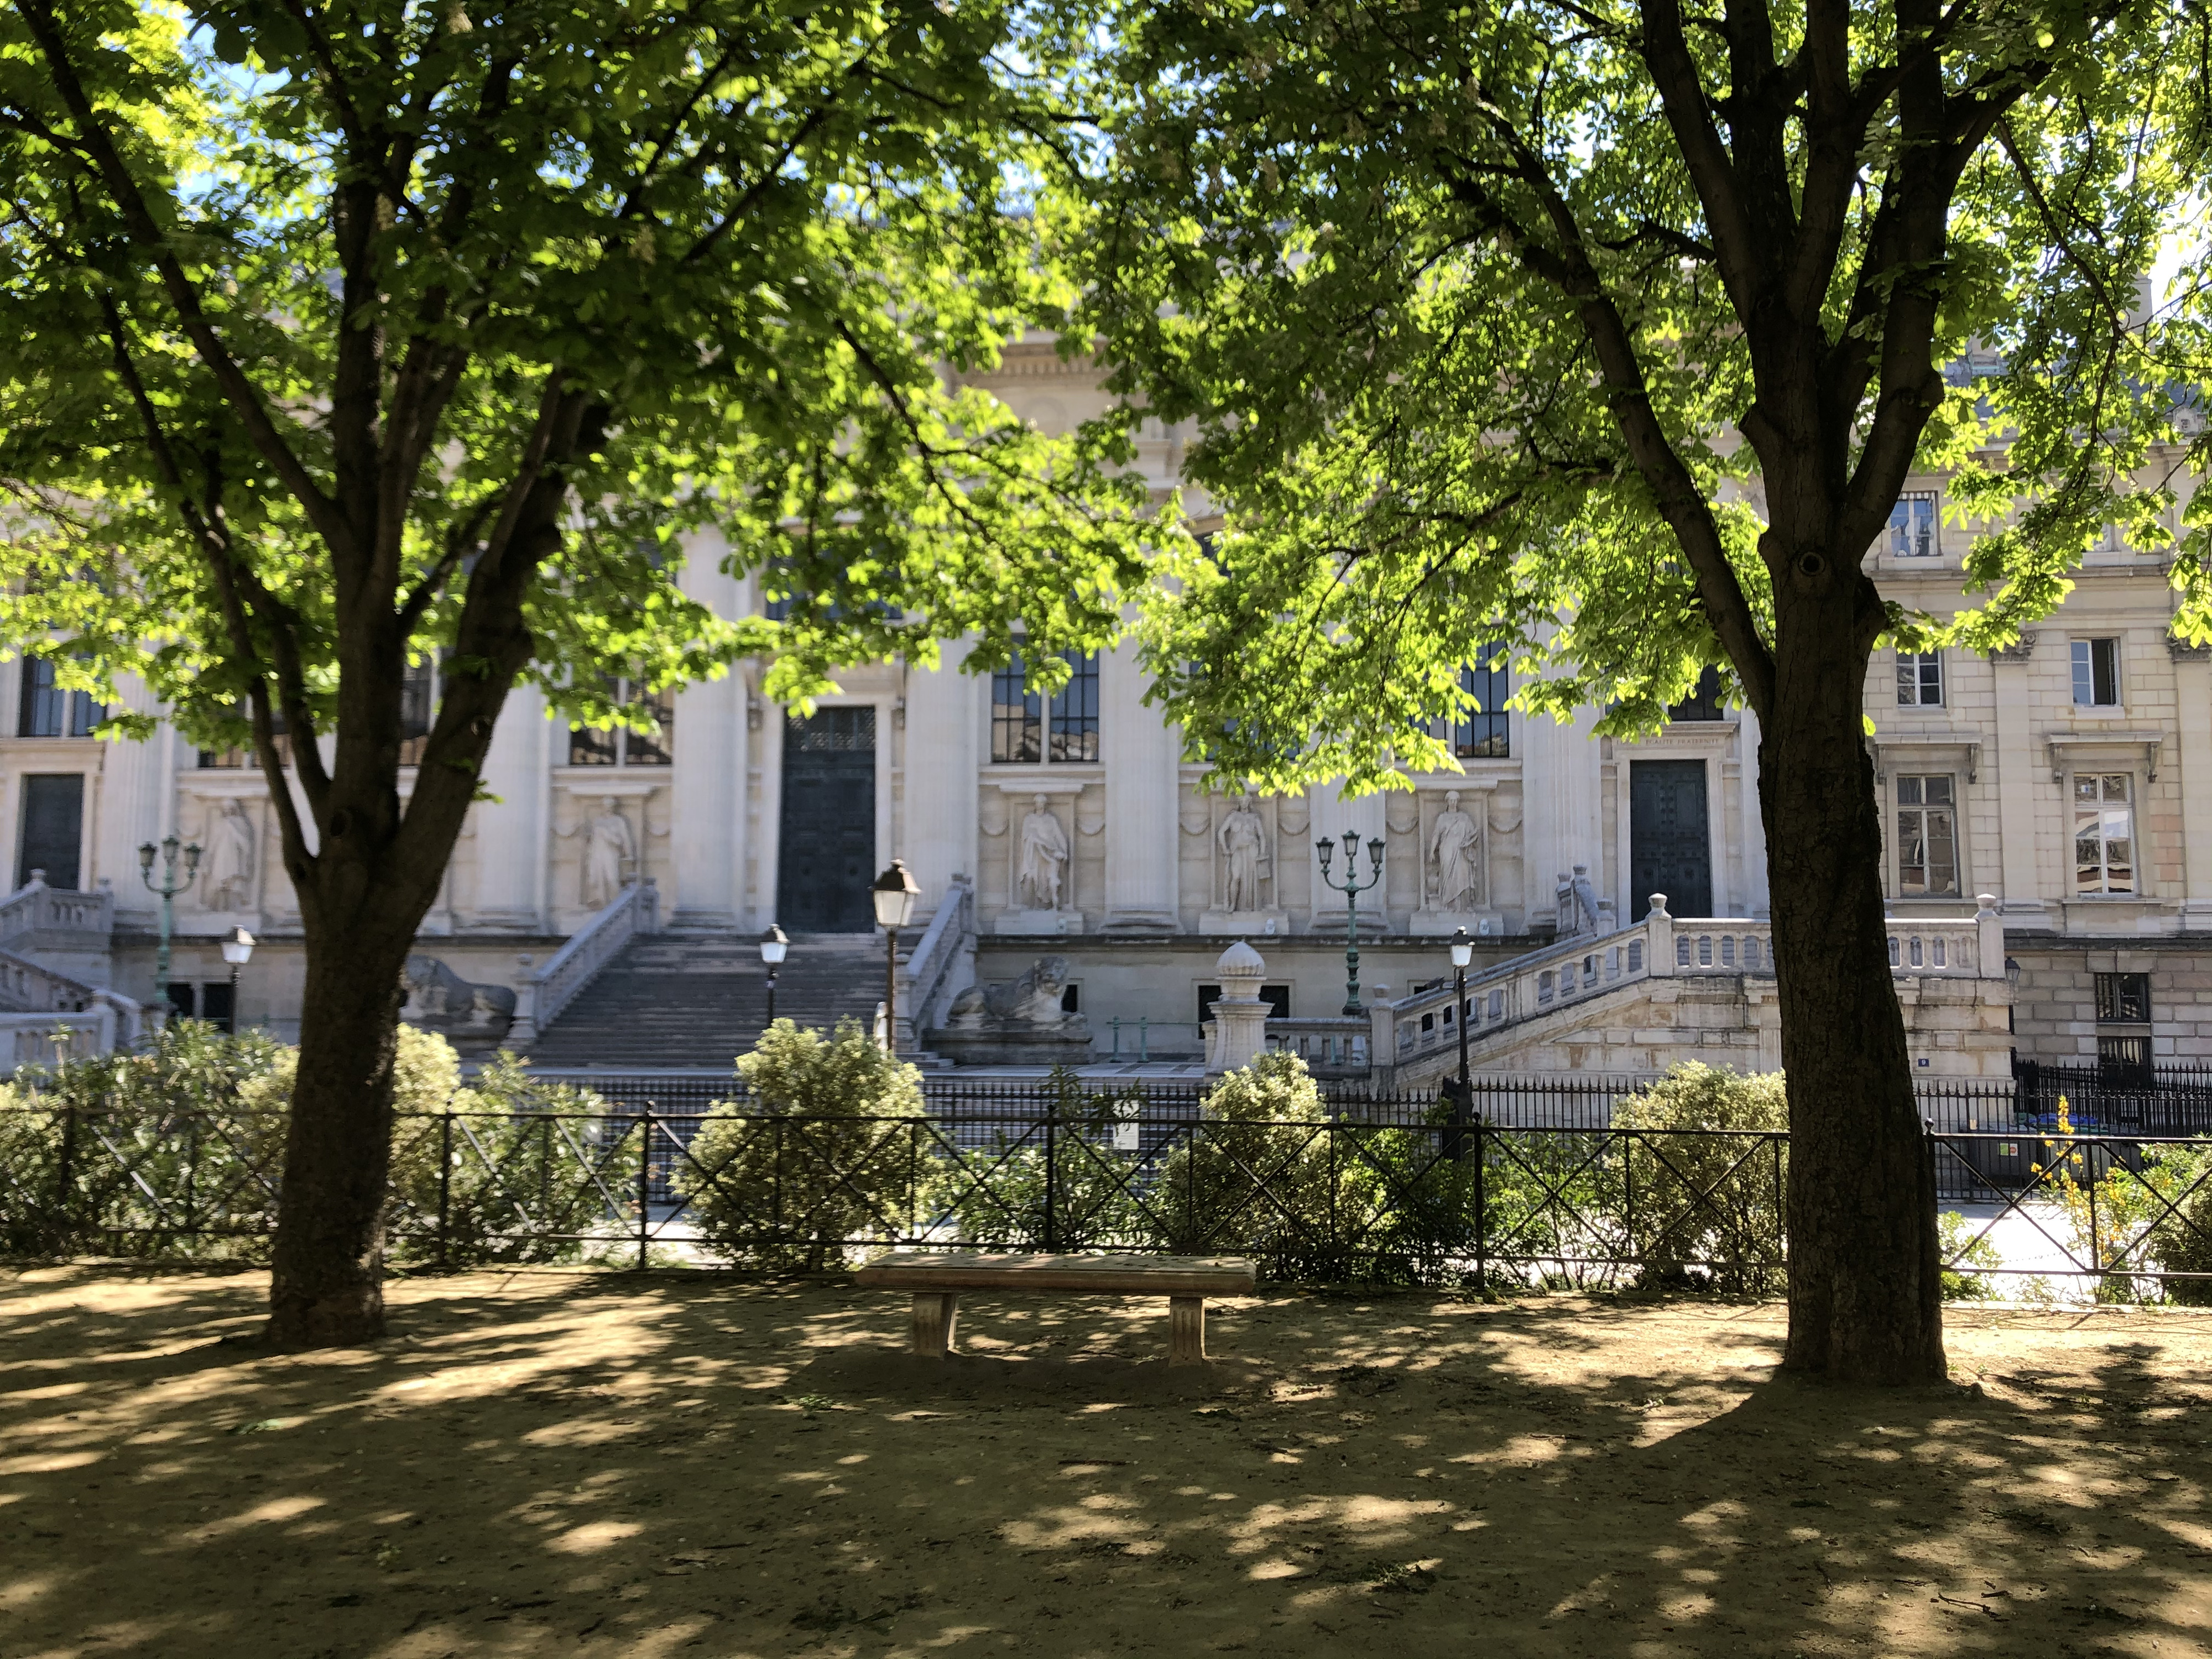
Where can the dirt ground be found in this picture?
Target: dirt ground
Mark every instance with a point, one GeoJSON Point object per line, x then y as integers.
{"type": "Point", "coordinates": [586, 1464]}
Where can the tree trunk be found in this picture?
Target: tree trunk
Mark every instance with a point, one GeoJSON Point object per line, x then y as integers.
{"type": "Point", "coordinates": [326, 1289]}
{"type": "Point", "coordinates": [1865, 1303]}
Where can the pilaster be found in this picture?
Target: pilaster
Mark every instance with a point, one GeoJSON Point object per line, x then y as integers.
{"type": "Point", "coordinates": [2192, 689]}
{"type": "Point", "coordinates": [943, 723]}
{"type": "Point", "coordinates": [1140, 751]}
{"type": "Point", "coordinates": [2018, 771]}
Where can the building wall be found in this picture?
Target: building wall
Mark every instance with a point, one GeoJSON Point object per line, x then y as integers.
{"type": "Point", "coordinates": [1144, 901]}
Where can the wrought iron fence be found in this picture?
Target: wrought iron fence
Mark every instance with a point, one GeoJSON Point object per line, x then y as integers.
{"type": "Point", "coordinates": [1380, 1189]}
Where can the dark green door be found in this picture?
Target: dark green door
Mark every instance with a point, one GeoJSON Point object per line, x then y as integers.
{"type": "Point", "coordinates": [53, 826]}
{"type": "Point", "coordinates": [1670, 848]}
{"type": "Point", "coordinates": [828, 841]}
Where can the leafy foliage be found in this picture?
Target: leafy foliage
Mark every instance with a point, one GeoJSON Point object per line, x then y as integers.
{"type": "Point", "coordinates": [1003, 1193]}
{"type": "Point", "coordinates": [1488, 324]}
{"type": "Point", "coordinates": [822, 1153]}
{"type": "Point", "coordinates": [1714, 1197]}
{"type": "Point", "coordinates": [176, 1151]}
{"type": "Point", "coordinates": [1964, 1245]}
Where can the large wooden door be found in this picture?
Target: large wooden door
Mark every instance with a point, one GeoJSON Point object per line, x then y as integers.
{"type": "Point", "coordinates": [53, 827]}
{"type": "Point", "coordinates": [1670, 848]}
{"type": "Point", "coordinates": [829, 823]}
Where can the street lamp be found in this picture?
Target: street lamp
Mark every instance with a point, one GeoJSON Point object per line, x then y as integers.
{"type": "Point", "coordinates": [1462, 953]}
{"type": "Point", "coordinates": [237, 951]}
{"type": "Point", "coordinates": [168, 889]}
{"type": "Point", "coordinates": [774, 947]}
{"type": "Point", "coordinates": [1351, 887]}
{"type": "Point", "coordinates": [894, 892]}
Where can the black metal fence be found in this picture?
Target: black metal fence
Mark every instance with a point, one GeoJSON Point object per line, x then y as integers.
{"type": "Point", "coordinates": [1379, 1189]}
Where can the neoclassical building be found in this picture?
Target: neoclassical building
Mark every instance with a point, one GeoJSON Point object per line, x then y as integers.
{"type": "Point", "coordinates": [2070, 779]}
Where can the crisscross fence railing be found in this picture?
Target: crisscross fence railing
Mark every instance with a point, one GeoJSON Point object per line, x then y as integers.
{"type": "Point", "coordinates": [1374, 1189]}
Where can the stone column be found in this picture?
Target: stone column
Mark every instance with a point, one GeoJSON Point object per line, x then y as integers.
{"type": "Point", "coordinates": [2192, 690]}
{"type": "Point", "coordinates": [1561, 825]}
{"type": "Point", "coordinates": [1240, 1014]}
{"type": "Point", "coordinates": [2019, 773]}
{"type": "Point", "coordinates": [1140, 751]}
{"type": "Point", "coordinates": [510, 834]}
{"type": "Point", "coordinates": [707, 841]}
{"type": "Point", "coordinates": [1757, 899]}
{"type": "Point", "coordinates": [944, 722]}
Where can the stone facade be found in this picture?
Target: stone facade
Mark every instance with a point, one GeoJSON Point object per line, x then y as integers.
{"type": "Point", "coordinates": [1980, 772]}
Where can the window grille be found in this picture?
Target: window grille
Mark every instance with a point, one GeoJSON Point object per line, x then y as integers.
{"type": "Point", "coordinates": [1024, 729]}
{"type": "Point", "coordinates": [1927, 836]}
{"type": "Point", "coordinates": [1919, 679]}
{"type": "Point", "coordinates": [2104, 833]}
{"type": "Point", "coordinates": [1484, 733]}
{"type": "Point", "coordinates": [2123, 999]}
{"type": "Point", "coordinates": [1913, 527]}
{"type": "Point", "coordinates": [591, 745]}
{"type": "Point", "coordinates": [2096, 665]}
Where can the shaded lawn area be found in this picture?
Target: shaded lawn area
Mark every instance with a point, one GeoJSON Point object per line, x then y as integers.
{"type": "Point", "coordinates": [594, 1464]}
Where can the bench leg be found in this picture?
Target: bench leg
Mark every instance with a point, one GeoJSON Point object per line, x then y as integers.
{"type": "Point", "coordinates": [1186, 1330]}
{"type": "Point", "coordinates": [935, 1313]}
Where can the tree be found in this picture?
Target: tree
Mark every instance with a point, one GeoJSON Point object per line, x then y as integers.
{"type": "Point", "coordinates": [1615, 329]}
{"type": "Point", "coordinates": [343, 335]}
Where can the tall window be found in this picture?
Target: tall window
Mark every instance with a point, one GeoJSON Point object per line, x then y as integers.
{"type": "Point", "coordinates": [1912, 533]}
{"type": "Point", "coordinates": [2123, 999]}
{"type": "Point", "coordinates": [1023, 729]}
{"type": "Point", "coordinates": [1707, 700]}
{"type": "Point", "coordinates": [49, 712]}
{"type": "Point", "coordinates": [418, 707]}
{"type": "Point", "coordinates": [2096, 673]}
{"type": "Point", "coordinates": [2104, 833]}
{"type": "Point", "coordinates": [1483, 733]}
{"type": "Point", "coordinates": [1919, 679]}
{"type": "Point", "coordinates": [616, 746]}
{"type": "Point", "coordinates": [1927, 836]}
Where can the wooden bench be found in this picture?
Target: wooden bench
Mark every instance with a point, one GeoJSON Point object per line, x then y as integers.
{"type": "Point", "coordinates": [938, 1279]}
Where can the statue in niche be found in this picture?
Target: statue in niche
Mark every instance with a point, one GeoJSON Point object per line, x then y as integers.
{"type": "Point", "coordinates": [1044, 854]}
{"type": "Point", "coordinates": [609, 847]}
{"type": "Point", "coordinates": [1455, 848]}
{"type": "Point", "coordinates": [227, 876]}
{"type": "Point", "coordinates": [1243, 842]}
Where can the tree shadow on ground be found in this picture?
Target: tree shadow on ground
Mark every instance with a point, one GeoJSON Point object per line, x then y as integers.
{"type": "Point", "coordinates": [599, 1465]}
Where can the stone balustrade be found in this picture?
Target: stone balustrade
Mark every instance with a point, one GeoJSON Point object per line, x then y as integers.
{"type": "Point", "coordinates": [634, 911]}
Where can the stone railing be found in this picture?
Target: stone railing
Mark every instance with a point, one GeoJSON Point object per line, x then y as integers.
{"type": "Point", "coordinates": [112, 1022]}
{"type": "Point", "coordinates": [35, 908]}
{"type": "Point", "coordinates": [940, 966]}
{"type": "Point", "coordinates": [635, 911]}
{"type": "Point", "coordinates": [26, 987]}
{"type": "Point", "coordinates": [1660, 946]}
{"type": "Point", "coordinates": [1329, 1046]}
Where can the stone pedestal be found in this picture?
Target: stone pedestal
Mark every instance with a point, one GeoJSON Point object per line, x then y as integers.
{"type": "Point", "coordinates": [1062, 924]}
{"type": "Point", "coordinates": [1442, 924]}
{"type": "Point", "coordinates": [1238, 1033]}
{"type": "Point", "coordinates": [1012, 1046]}
{"type": "Point", "coordinates": [1246, 924]}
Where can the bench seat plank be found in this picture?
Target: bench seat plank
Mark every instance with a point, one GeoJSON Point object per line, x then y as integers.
{"type": "Point", "coordinates": [1153, 1275]}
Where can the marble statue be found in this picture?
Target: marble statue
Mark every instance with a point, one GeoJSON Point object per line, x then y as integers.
{"type": "Point", "coordinates": [1021, 1024]}
{"type": "Point", "coordinates": [1456, 846]}
{"type": "Point", "coordinates": [439, 999]}
{"type": "Point", "coordinates": [1044, 854]}
{"type": "Point", "coordinates": [227, 876]}
{"type": "Point", "coordinates": [608, 847]}
{"type": "Point", "coordinates": [1032, 1001]}
{"type": "Point", "coordinates": [1243, 842]}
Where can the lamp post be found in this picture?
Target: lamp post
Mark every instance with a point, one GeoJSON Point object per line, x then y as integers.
{"type": "Point", "coordinates": [1352, 887]}
{"type": "Point", "coordinates": [894, 892]}
{"type": "Point", "coordinates": [774, 947]}
{"type": "Point", "coordinates": [237, 951]}
{"type": "Point", "coordinates": [168, 889]}
{"type": "Point", "coordinates": [1462, 953]}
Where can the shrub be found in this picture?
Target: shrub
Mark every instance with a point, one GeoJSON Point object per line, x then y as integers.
{"type": "Point", "coordinates": [2181, 1236]}
{"type": "Point", "coordinates": [997, 1194]}
{"type": "Point", "coordinates": [1709, 1199]}
{"type": "Point", "coordinates": [1258, 1176]}
{"type": "Point", "coordinates": [805, 1171]}
{"type": "Point", "coordinates": [1965, 1248]}
{"type": "Point", "coordinates": [164, 1152]}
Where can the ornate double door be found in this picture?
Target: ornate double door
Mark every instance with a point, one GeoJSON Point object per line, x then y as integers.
{"type": "Point", "coordinates": [1670, 848]}
{"type": "Point", "coordinates": [827, 858]}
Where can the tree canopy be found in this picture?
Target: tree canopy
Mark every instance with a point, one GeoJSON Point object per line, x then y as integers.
{"type": "Point", "coordinates": [1494, 321]}
{"type": "Point", "coordinates": [306, 301]}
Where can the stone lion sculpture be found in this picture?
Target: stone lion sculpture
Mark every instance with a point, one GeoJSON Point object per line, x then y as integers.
{"type": "Point", "coordinates": [1032, 1001]}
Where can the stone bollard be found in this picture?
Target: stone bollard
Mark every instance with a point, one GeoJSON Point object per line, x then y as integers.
{"type": "Point", "coordinates": [1240, 1012]}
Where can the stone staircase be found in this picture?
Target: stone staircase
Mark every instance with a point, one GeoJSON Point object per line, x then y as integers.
{"type": "Point", "coordinates": [701, 999]}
